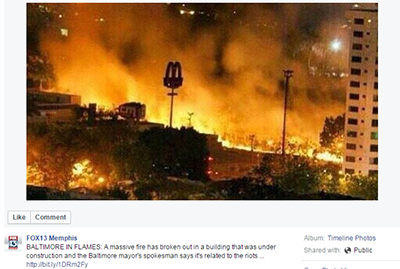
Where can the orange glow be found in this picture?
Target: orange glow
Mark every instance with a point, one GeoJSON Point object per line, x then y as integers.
{"type": "Point", "coordinates": [298, 148]}
{"type": "Point", "coordinates": [82, 175]}
{"type": "Point", "coordinates": [91, 63]}
{"type": "Point", "coordinates": [34, 176]}
{"type": "Point", "coordinates": [328, 157]}
{"type": "Point", "coordinates": [79, 168]}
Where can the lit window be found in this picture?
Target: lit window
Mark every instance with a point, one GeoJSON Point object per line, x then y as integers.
{"type": "Point", "coordinates": [374, 135]}
{"type": "Point", "coordinates": [64, 31]}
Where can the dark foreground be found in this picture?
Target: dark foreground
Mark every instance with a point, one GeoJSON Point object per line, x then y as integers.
{"type": "Point", "coordinates": [167, 190]}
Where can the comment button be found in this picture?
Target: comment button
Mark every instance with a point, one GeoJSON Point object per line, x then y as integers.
{"type": "Point", "coordinates": [51, 217]}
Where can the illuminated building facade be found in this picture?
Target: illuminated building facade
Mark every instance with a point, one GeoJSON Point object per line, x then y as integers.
{"type": "Point", "coordinates": [361, 127]}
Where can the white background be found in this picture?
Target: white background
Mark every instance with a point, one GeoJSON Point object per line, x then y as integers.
{"type": "Point", "coordinates": [289, 253]}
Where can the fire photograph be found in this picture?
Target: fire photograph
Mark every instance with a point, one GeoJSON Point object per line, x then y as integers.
{"type": "Point", "coordinates": [202, 101]}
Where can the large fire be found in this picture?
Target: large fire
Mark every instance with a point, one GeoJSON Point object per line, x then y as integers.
{"type": "Point", "coordinates": [232, 86]}
{"type": "Point", "coordinates": [299, 149]}
{"type": "Point", "coordinates": [83, 175]}
{"type": "Point", "coordinates": [113, 54]}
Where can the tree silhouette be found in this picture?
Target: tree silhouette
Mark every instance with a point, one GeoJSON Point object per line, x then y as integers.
{"type": "Point", "coordinates": [40, 69]}
{"type": "Point", "coordinates": [332, 130]}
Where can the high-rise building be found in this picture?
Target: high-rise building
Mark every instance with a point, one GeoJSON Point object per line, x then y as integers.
{"type": "Point", "coordinates": [361, 127]}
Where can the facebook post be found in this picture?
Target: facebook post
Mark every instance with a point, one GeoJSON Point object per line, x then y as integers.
{"type": "Point", "coordinates": [196, 134]}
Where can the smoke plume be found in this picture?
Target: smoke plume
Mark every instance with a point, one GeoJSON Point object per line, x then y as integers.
{"type": "Point", "coordinates": [232, 64]}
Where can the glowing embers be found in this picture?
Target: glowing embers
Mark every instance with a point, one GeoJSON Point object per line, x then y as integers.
{"type": "Point", "coordinates": [34, 175]}
{"type": "Point", "coordinates": [328, 157]}
{"type": "Point", "coordinates": [81, 167]}
{"type": "Point", "coordinates": [84, 175]}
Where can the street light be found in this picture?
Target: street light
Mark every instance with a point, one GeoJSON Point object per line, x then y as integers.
{"type": "Point", "coordinates": [336, 45]}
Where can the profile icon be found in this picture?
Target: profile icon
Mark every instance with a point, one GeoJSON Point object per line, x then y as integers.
{"type": "Point", "coordinates": [13, 242]}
